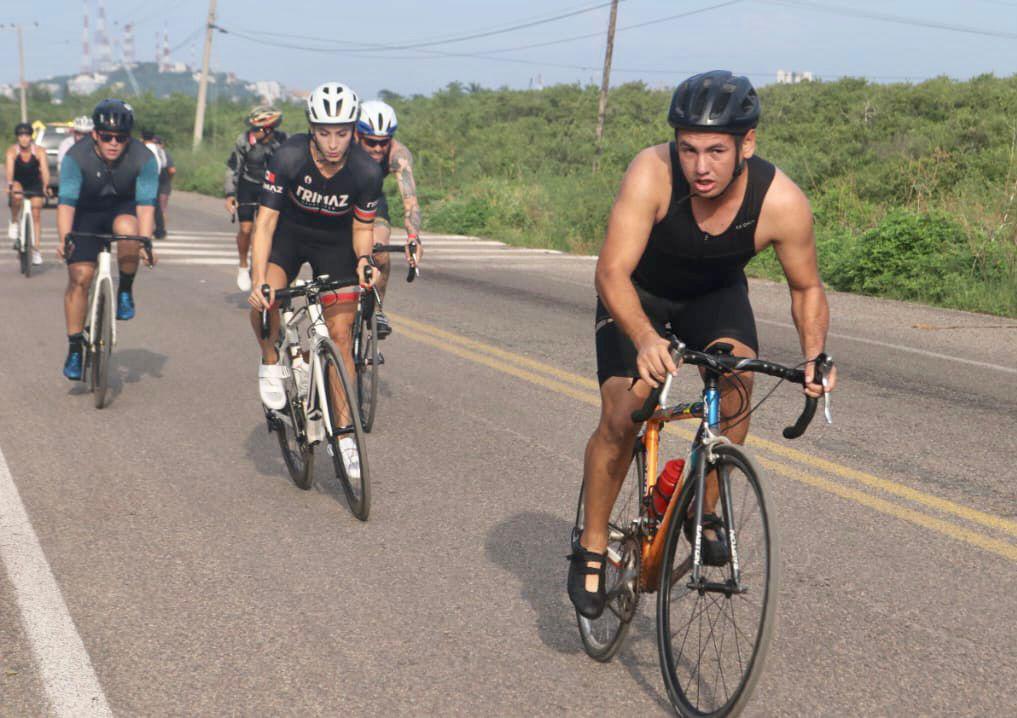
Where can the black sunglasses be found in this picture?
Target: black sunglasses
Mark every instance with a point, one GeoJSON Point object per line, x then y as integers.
{"type": "Point", "coordinates": [376, 143]}
{"type": "Point", "coordinates": [111, 136]}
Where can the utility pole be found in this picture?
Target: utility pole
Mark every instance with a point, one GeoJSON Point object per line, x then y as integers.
{"type": "Point", "coordinates": [605, 82]}
{"type": "Point", "coordinates": [199, 113]}
{"type": "Point", "coordinates": [21, 76]}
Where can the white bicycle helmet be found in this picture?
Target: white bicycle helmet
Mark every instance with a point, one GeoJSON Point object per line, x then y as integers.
{"type": "Point", "coordinates": [377, 119]}
{"type": "Point", "coordinates": [82, 124]}
{"type": "Point", "coordinates": [333, 104]}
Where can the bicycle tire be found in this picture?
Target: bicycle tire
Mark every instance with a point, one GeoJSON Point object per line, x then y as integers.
{"type": "Point", "coordinates": [358, 491]}
{"type": "Point", "coordinates": [26, 247]}
{"type": "Point", "coordinates": [603, 637]}
{"type": "Point", "coordinates": [367, 368]}
{"type": "Point", "coordinates": [298, 455]}
{"type": "Point", "coordinates": [759, 567]}
{"type": "Point", "coordinates": [102, 342]}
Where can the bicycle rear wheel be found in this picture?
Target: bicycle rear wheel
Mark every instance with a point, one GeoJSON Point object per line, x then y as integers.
{"type": "Point", "coordinates": [357, 489]}
{"type": "Point", "coordinates": [603, 636]}
{"type": "Point", "coordinates": [712, 643]}
{"type": "Point", "coordinates": [367, 366]}
{"type": "Point", "coordinates": [292, 435]}
{"type": "Point", "coordinates": [102, 343]}
{"type": "Point", "coordinates": [25, 251]}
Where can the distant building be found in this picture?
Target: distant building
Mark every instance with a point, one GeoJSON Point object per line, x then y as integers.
{"type": "Point", "coordinates": [86, 83]}
{"type": "Point", "coordinates": [793, 77]}
{"type": "Point", "coordinates": [269, 91]}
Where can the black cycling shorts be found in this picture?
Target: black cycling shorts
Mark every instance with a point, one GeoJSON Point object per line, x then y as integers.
{"type": "Point", "coordinates": [248, 194]}
{"type": "Point", "coordinates": [31, 187]}
{"type": "Point", "coordinates": [95, 222]}
{"type": "Point", "coordinates": [698, 321]}
{"type": "Point", "coordinates": [381, 215]}
{"type": "Point", "coordinates": [327, 252]}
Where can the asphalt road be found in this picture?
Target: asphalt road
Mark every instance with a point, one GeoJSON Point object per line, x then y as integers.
{"type": "Point", "coordinates": [165, 565]}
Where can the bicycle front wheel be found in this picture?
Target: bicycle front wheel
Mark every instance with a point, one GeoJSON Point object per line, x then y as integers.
{"type": "Point", "coordinates": [356, 484]}
{"type": "Point", "coordinates": [367, 368]}
{"type": "Point", "coordinates": [26, 247]}
{"type": "Point", "coordinates": [291, 431]}
{"type": "Point", "coordinates": [712, 637]}
{"type": "Point", "coordinates": [603, 636]}
{"type": "Point", "coordinates": [102, 345]}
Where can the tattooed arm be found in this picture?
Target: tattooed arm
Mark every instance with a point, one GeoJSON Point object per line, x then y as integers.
{"type": "Point", "coordinates": [401, 165]}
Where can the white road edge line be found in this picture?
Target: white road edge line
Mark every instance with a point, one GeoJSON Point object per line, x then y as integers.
{"type": "Point", "coordinates": [71, 685]}
{"type": "Point", "coordinates": [898, 347]}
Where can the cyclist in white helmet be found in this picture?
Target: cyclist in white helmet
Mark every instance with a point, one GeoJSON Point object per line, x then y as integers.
{"type": "Point", "coordinates": [81, 128]}
{"type": "Point", "coordinates": [317, 206]}
{"type": "Point", "coordinates": [376, 134]}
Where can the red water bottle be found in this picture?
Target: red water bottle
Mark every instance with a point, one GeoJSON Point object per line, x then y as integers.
{"type": "Point", "coordinates": [664, 488]}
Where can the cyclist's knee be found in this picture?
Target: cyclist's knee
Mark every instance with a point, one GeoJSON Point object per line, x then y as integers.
{"type": "Point", "coordinates": [79, 277]}
{"type": "Point", "coordinates": [616, 428]}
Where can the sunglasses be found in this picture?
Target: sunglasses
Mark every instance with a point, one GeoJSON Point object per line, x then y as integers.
{"type": "Point", "coordinates": [108, 137]}
{"type": "Point", "coordinates": [377, 143]}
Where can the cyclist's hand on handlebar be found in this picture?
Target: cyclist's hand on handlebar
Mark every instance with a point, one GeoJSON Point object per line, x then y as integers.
{"type": "Point", "coordinates": [816, 390]}
{"type": "Point", "coordinates": [257, 300]}
{"type": "Point", "coordinates": [414, 257]}
{"type": "Point", "coordinates": [62, 249]}
{"type": "Point", "coordinates": [148, 255]}
{"type": "Point", "coordinates": [367, 279]}
{"type": "Point", "coordinates": [231, 205]}
{"type": "Point", "coordinates": [654, 358]}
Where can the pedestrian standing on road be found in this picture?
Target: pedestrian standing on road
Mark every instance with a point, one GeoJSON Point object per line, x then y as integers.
{"type": "Point", "coordinates": [165, 187]}
{"type": "Point", "coordinates": [245, 172]}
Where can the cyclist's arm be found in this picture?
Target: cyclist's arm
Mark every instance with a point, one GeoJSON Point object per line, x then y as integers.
{"type": "Point", "coordinates": [261, 245]}
{"type": "Point", "coordinates": [401, 162]}
{"type": "Point", "coordinates": [795, 245]}
{"type": "Point", "coordinates": [40, 154]}
{"type": "Point", "coordinates": [233, 167]}
{"type": "Point", "coordinates": [146, 192]}
{"type": "Point", "coordinates": [70, 190]}
{"type": "Point", "coordinates": [365, 207]}
{"type": "Point", "coordinates": [10, 166]}
{"type": "Point", "coordinates": [628, 230]}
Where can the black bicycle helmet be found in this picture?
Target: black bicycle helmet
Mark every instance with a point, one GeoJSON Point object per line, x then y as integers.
{"type": "Point", "coordinates": [22, 128]}
{"type": "Point", "coordinates": [113, 116]}
{"type": "Point", "coordinates": [717, 101]}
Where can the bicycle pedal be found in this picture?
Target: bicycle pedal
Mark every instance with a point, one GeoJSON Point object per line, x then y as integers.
{"type": "Point", "coordinates": [381, 360]}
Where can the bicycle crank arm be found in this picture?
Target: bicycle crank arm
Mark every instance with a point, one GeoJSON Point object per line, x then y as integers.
{"type": "Point", "coordinates": [728, 588]}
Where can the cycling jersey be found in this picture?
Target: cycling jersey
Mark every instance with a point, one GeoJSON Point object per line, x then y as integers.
{"type": "Point", "coordinates": [683, 261]}
{"type": "Point", "coordinates": [301, 194]}
{"type": "Point", "coordinates": [250, 159]}
{"type": "Point", "coordinates": [28, 174]}
{"type": "Point", "coordinates": [89, 183]}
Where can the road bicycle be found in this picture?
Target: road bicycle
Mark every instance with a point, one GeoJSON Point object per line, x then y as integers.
{"type": "Point", "coordinates": [100, 332]}
{"type": "Point", "coordinates": [25, 223]}
{"type": "Point", "coordinates": [318, 391]}
{"type": "Point", "coordinates": [367, 358]}
{"type": "Point", "coordinates": [714, 612]}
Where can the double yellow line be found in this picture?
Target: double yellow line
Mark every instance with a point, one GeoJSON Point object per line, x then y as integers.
{"type": "Point", "coordinates": [848, 483]}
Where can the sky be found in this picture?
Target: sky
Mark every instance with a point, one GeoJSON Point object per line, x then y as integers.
{"type": "Point", "coordinates": [303, 43]}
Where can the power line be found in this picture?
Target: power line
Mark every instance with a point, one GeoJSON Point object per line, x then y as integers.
{"type": "Point", "coordinates": [900, 20]}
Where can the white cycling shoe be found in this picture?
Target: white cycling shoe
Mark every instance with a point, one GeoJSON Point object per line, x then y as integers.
{"type": "Point", "coordinates": [271, 387]}
{"type": "Point", "coordinates": [244, 279]}
{"type": "Point", "coordinates": [36, 257]}
{"type": "Point", "coordinates": [12, 232]}
{"type": "Point", "coordinates": [351, 457]}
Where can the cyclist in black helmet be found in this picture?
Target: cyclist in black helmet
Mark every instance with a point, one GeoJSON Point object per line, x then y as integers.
{"type": "Point", "coordinates": [108, 185]}
{"type": "Point", "coordinates": [689, 216]}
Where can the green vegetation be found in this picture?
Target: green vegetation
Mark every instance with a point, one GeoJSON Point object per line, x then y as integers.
{"type": "Point", "coordinates": [913, 186]}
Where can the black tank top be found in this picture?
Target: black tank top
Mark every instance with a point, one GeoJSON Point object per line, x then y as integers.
{"type": "Point", "coordinates": [683, 261]}
{"type": "Point", "coordinates": [27, 173]}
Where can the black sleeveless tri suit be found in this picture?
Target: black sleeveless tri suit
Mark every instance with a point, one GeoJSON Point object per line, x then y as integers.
{"type": "Point", "coordinates": [689, 280]}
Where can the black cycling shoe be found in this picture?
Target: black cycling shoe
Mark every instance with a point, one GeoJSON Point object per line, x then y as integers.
{"type": "Point", "coordinates": [384, 326]}
{"type": "Point", "coordinates": [714, 551]}
{"type": "Point", "coordinates": [588, 603]}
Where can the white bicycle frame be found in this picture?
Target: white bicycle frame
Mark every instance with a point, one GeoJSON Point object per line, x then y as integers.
{"type": "Point", "coordinates": [25, 219]}
{"type": "Point", "coordinates": [316, 396]}
{"type": "Point", "coordinates": [103, 275]}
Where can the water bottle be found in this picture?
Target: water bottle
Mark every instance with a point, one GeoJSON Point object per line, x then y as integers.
{"type": "Point", "coordinates": [666, 482]}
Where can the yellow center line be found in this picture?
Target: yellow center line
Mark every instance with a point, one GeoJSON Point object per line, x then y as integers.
{"type": "Point", "coordinates": [567, 382]}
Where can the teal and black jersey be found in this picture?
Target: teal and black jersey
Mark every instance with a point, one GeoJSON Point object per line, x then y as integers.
{"type": "Point", "coordinates": [89, 183]}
